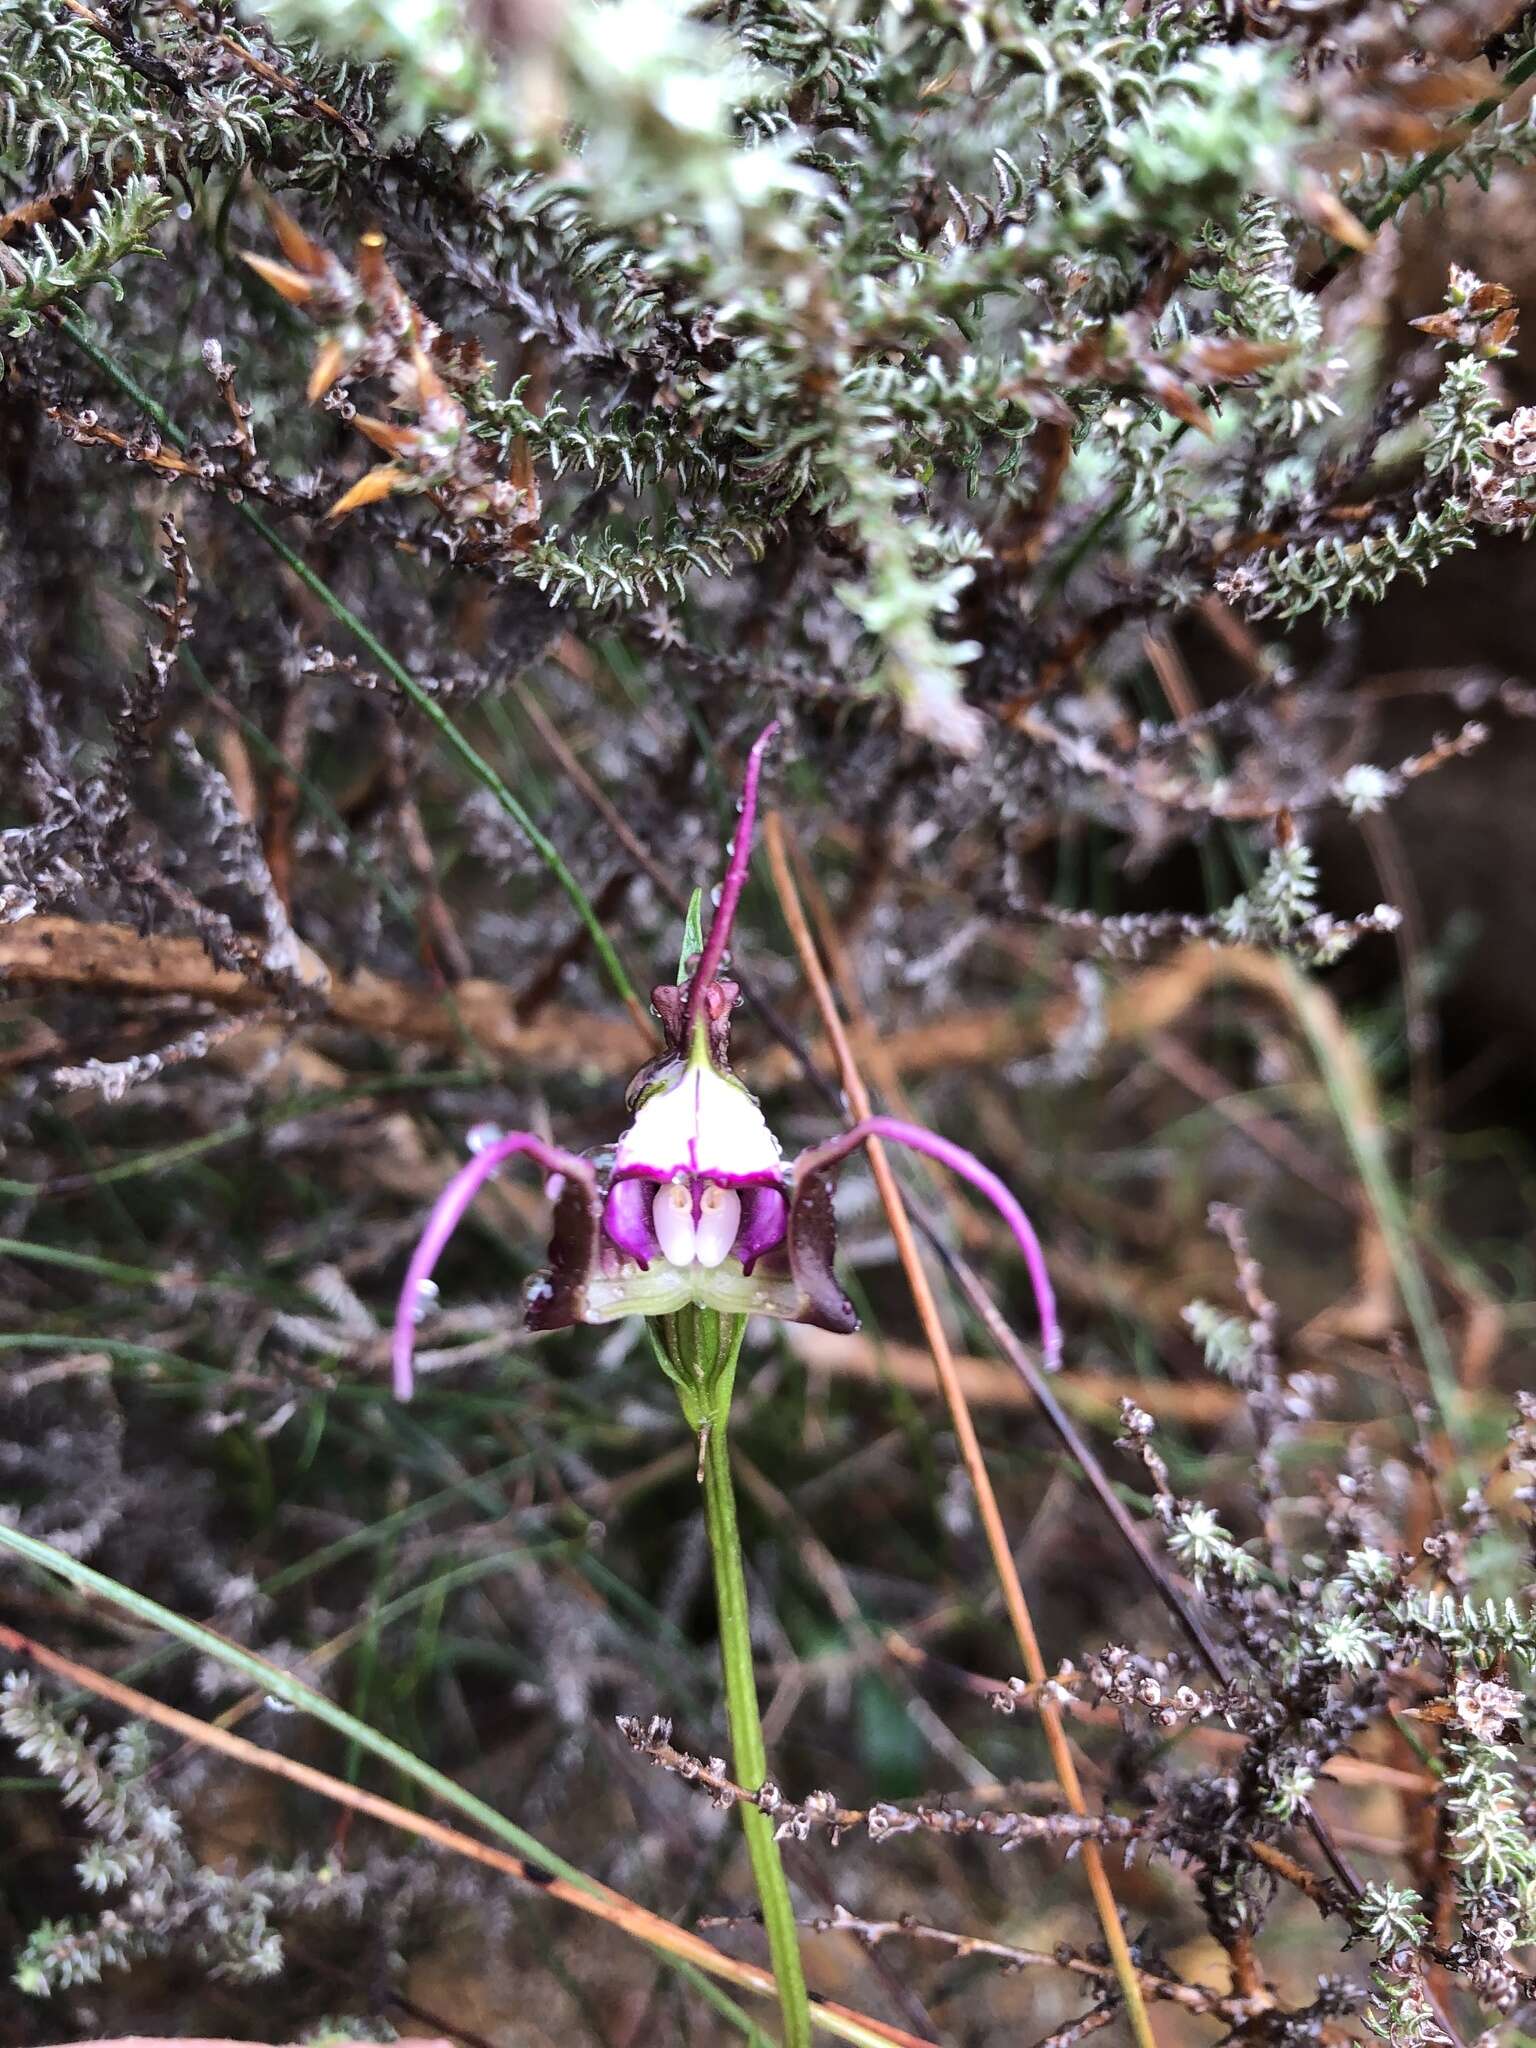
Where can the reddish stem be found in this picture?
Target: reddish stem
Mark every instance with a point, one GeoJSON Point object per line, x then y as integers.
{"type": "Point", "coordinates": [735, 881]}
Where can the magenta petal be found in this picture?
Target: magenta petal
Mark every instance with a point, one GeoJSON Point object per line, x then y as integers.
{"type": "Point", "coordinates": [445, 1218]}
{"type": "Point", "coordinates": [814, 1163]}
{"type": "Point", "coordinates": [627, 1219]}
{"type": "Point", "coordinates": [764, 1220]}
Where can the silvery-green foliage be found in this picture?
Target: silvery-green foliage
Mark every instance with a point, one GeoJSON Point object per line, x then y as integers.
{"type": "Point", "coordinates": [856, 261]}
{"type": "Point", "coordinates": [981, 328]}
{"type": "Point", "coordinates": [59, 258]}
{"type": "Point", "coordinates": [156, 1898]}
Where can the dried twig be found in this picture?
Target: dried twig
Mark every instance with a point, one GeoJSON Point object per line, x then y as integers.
{"type": "Point", "coordinates": [822, 1813]}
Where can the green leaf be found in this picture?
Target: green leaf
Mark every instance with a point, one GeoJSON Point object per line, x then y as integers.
{"type": "Point", "coordinates": [693, 935]}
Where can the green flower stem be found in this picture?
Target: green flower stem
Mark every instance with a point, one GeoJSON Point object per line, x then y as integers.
{"type": "Point", "coordinates": [748, 1755]}
{"type": "Point", "coordinates": [697, 1350]}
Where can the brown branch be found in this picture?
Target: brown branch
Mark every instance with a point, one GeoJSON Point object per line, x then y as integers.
{"type": "Point", "coordinates": [62, 952]}
{"type": "Point", "coordinates": [1234, 2010]}
{"type": "Point", "coordinates": [820, 1811]}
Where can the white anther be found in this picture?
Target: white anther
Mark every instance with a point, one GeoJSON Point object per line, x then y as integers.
{"type": "Point", "coordinates": [719, 1221]}
{"type": "Point", "coordinates": [672, 1214]}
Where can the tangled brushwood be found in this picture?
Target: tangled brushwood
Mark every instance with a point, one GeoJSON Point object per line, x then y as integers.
{"type": "Point", "coordinates": [435, 437]}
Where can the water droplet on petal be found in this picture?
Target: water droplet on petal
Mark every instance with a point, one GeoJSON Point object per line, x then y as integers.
{"type": "Point", "coordinates": [481, 1137]}
{"type": "Point", "coordinates": [427, 1292]}
{"type": "Point", "coordinates": [715, 895]}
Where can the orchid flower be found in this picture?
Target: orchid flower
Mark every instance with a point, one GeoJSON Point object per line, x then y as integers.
{"type": "Point", "coordinates": [695, 1220]}
{"type": "Point", "coordinates": [695, 1205]}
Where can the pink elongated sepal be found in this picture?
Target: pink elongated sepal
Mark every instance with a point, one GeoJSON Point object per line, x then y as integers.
{"type": "Point", "coordinates": [958, 1160]}
{"type": "Point", "coordinates": [735, 881]}
{"type": "Point", "coordinates": [447, 1214]}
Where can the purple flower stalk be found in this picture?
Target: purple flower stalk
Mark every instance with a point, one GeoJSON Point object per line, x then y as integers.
{"type": "Point", "coordinates": [696, 1203]}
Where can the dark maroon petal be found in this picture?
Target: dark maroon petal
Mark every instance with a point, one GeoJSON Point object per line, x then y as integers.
{"type": "Point", "coordinates": [764, 1221]}
{"type": "Point", "coordinates": [812, 1250]}
{"type": "Point", "coordinates": [670, 1002]}
{"type": "Point", "coordinates": [556, 1298]}
{"type": "Point", "coordinates": [627, 1219]}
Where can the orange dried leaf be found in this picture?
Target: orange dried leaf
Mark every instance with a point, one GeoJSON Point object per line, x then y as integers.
{"type": "Point", "coordinates": [373, 271]}
{"type": "Point", "coordinates": [384, 434]}
{"type": "Point", "coordinates": [1212, 357]}
{"type": "Point", "coordinates": [1458, 85]}
{"type": "Point", "coordinates": [369, 488]}
{"type": "Point", "coordinates": [305, 255]}
{"type": "Point", "coordinates": [429, 385]}
{"type": "Point", "coordinates": [1330, 214]}
{"type": "Point", "coordinates": [289, 284]}
{"type": "Point", "coordinates": [520, 469]}
{"type": "Point", "coordinates": [328, 366]}
{"type": "Point", "coordinates": [1500, 331]}
{"type": "Point", "coordinates": [1176, 397]}
{"type": "Point", "coordinates": [1394, 130]}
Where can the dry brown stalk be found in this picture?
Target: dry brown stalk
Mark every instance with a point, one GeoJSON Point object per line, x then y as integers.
{"type": "Point", "coordinates": [600, 1902]}
{"type": "Point", "coordinates": [1234, 2010]}
{"type": "Point", "coordinates": [1062, 1761]}
{"type": "Point", "coordinates": [820, 1813]}
{"type": "Point", "coordinates": [293, 86]}
{"type": "Point", "coordinates": [555, 742]}
{"type": "Point", "coordinates": [62, 951]}
{"type": "Point", "coordinates": [67, 952]}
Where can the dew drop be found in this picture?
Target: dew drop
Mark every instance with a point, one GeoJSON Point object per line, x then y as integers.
{"type": "Point", "coordinates": [427, 1292]}
{"type": "Point", "coordinates": [481, 1137]}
